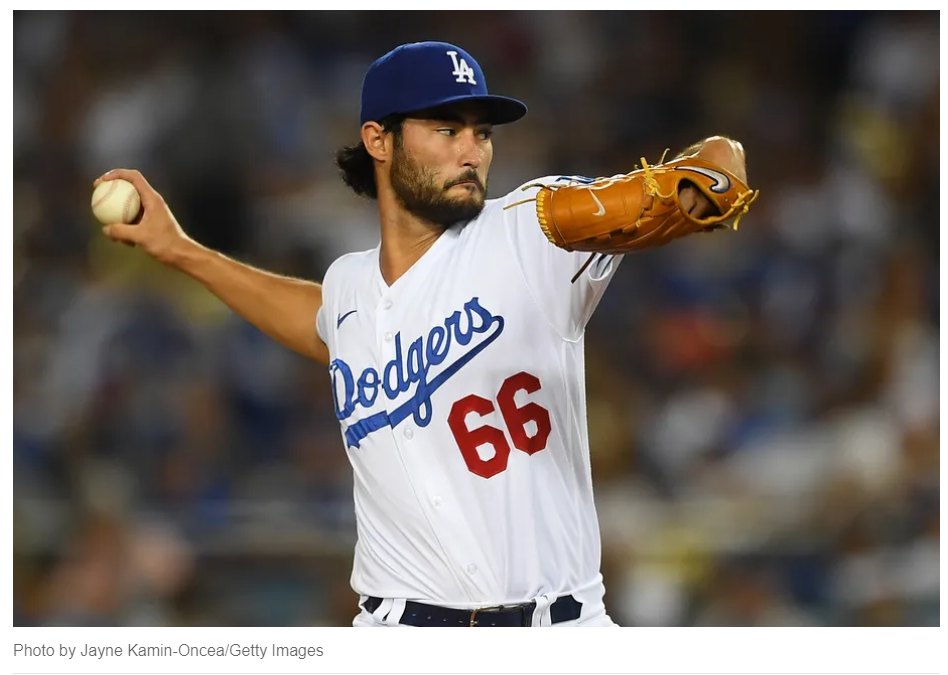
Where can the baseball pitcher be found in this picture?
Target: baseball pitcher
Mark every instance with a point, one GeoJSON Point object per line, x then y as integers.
{"type": "Point", "coordinates": [455, 347]}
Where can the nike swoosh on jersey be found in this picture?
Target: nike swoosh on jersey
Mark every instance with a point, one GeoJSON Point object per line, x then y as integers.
{"type": "Point", "coordinates": [342, 317]}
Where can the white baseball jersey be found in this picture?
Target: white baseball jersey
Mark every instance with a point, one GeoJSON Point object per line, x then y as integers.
{"type": "Point", "coordinates": [460, 390]}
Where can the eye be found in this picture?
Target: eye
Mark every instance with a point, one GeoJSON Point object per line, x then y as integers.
{"type": "Point", "coordinates": [485, 134]}
{"type": "Point", "coordinates": [447, 132]}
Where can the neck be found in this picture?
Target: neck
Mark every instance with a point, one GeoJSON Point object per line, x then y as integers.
{"type": "Point", "coordinates": [405, 238]}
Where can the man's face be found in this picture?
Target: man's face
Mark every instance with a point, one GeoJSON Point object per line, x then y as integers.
{"type": "Point", "coordinates": [440, 165]}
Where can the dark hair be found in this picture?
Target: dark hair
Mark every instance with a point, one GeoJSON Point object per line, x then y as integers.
{"type": "Point", "coordinates": [356, 165]}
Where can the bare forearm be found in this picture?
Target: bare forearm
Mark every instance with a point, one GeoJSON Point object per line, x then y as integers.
{"type": "Point", "coordinates": [282, 307]}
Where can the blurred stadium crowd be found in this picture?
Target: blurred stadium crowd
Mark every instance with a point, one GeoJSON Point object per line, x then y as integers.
{"type": "Point", "coordinates": [763, 405]}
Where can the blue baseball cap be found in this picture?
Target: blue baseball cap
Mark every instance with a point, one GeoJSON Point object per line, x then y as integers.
{"type": "Point", "coordinates": [424, 75]}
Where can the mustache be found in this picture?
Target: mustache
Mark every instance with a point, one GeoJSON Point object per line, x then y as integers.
{"type": "Point", "coordinates": [469, 177]}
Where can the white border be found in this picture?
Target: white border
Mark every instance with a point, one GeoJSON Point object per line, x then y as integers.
{"type": "Point", "coordinates": [640, 650]}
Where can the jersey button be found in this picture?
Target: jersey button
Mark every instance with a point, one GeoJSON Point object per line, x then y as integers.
{"type": "Point", "coordinates": [409, 433]}
{"type": "Point", "coordinates": [472, 568]}
{"type": "Point", "coordinates": [437, 502]}
{"type": "Point", "coordinates": [386, 303]}
{"type": "Point", "coordinates": [388, 337]}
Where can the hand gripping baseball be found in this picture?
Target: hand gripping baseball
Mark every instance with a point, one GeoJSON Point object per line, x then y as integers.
{"type": "Point", "coordinates": [156, 231]}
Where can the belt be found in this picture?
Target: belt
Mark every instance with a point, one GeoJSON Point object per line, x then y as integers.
{"type": "Point", "coordinates": [565, 608]}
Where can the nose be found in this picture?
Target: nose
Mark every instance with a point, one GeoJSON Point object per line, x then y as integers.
{"type": "Point", "coordinates": [469, 150]}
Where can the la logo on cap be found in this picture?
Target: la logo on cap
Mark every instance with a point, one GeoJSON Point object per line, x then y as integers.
{"type": "Point", "coordinates": [461, 71]}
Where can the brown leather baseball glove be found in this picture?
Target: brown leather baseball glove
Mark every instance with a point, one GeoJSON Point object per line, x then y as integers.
{"type": "Point", "coordinates": [639, 210]}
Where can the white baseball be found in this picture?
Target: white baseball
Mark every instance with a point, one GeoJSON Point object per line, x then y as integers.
{"type": "Point", "coordinates": [116, 201]}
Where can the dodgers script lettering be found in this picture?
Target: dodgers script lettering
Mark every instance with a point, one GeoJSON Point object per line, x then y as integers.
{"type": "Point", "coordinates": [411, 368]}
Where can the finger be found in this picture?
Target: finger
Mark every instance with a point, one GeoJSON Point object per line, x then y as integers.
{"type": "Point", "coordinates": [147, 193]}
{"type": "Point", "coordinates": [128, 234]}
{"type": "Point", "coordinates": [687, 198]}
{"type": "Point", "coordinates": [702, 208]}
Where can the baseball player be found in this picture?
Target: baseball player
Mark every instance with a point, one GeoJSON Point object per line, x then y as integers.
{"type": "Point", "coordinates": [455, 347]}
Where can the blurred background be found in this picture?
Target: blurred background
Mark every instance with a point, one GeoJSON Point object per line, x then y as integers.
{"type": "Point", "coordinates": [763, 406]}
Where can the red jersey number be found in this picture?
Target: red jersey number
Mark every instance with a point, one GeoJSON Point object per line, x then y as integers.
{"type": "Point", "coordinates": [516, 419]}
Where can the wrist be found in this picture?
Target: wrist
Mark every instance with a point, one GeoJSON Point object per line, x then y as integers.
{"type": "Point", "coordinates": [185, 255]}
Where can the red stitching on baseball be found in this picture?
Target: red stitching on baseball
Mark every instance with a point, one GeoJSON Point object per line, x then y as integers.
{"type": "Point", "coordinates": [112, 185]}
{"type": "Point", "coordinates": [128, 203]}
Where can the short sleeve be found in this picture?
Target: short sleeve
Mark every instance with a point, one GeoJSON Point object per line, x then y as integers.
{"type": "Point", "coordinates": [322, 330]}
{"type": "Point", "coordinates": [548, 270]}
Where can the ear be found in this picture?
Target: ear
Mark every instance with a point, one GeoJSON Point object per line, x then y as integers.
{"type": "Point", "coordinates": [378, 143]}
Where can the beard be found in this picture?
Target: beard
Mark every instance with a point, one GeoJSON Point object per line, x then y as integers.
{"type": "Point", "coordinates": [420, 193]}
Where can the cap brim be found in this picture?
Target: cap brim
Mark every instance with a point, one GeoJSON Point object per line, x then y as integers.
{"type": "Point", "coordinates": [500, 109]}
